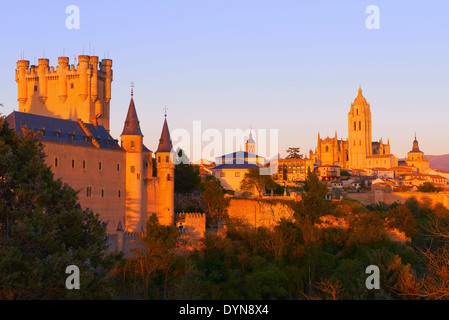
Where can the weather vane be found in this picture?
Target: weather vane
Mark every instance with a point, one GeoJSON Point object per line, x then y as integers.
{"type": "Point", "coordinates": [165, 109]}
{"type": "Point", "coordinates": [132, 88]}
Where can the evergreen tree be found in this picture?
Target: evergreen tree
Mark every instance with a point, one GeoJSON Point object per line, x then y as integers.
{"type": "Point", "coordinates": [214, 198]}
{"type": "Point", "coordinates": [313, 204]}
{"type": "Point", "coordinates": [187, 175]}
{"type": "Point", "coordinates": [293, 153]}
{"type": "Point", "coordinates": [253, 180]}
{"type": "Point", "coordinates": [43, 229]}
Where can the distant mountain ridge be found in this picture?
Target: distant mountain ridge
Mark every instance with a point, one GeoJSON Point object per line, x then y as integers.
{"type": "Point", "coordinates": [439, 162]}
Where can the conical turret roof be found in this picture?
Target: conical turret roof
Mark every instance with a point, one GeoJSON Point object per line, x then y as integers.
{"type": "Point", "coordinates": [165, 144]}
{"type": "Point", "coordinates": [132, 124]}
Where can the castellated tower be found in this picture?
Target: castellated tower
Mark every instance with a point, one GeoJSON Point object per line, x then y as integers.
{"type": "Point", "coordinates": [359, 132]}
{"type": "Point", "coordinates": [166, 177]}
{"type": "Point", "coordinates": [132, 142]}
{"type": "Point", "coordinates": [69, 92]}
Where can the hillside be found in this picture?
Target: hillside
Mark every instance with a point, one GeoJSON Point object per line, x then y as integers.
{"type": "Point", "coordinates": [439, 162]}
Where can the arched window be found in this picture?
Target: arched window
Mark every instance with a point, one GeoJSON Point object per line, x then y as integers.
{"type": "Point", "coordinates": [168, 177]}
{"type": "Point", "coordinates": [355, 126]}
{"type": "Point", "coordinates": [360, 125]}
{"type": "Point", "coordinates": [327, 148]}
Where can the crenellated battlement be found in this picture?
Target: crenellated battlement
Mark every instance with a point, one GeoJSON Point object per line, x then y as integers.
{"type": "Point", "coordinates": [90, 63]}
{"type": "Point", "coordinates": [192, 216]}
{"type": "Point", "coordinates": [192, 226]}
{"type": "Point", "coordinates": [66, 91]}
{"type": "Point", "coordinates": [125, 242]}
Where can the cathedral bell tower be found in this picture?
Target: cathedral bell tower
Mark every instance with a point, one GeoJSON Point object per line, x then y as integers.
{"type": "Point", "coordinates": [132, 142]}
{"type": "Point", "coordinates": [250, 145]}
{"type": "Point", "coordinates": [359, 132]}
{"type": "Point", "coordinates": [166, 177]}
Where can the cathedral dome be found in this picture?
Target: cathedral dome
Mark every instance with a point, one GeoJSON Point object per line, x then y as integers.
{"type": "Point", "coordinates": [360, 99]}
{"type": "Point", "coordinates": [415, 145]}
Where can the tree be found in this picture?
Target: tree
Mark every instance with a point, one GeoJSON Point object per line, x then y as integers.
{"type": "Point", "coordinates": [401, 218]}
{"type": "Point", "coordinates": [293, 153]}
{"type": "Point", "coordinates": [433, 283]}
{"type": "Point", "coordinates": [253, 180]}
{"type": "Point", "coordinates": [153, 261]}
{"type": "Point", "coordinates": [312, 202]}
{"type": "Point", "coordinates": [43, 229]}
{"type": "Point", "coordinates": [214, 198]}
{"type": "Point", "coordinates": [187, 175]}
{"type": "Point", "coordinates": [428, 187]}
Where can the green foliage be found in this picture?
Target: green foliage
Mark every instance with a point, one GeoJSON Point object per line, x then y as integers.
{"type": "Point", "coordinates": [293, 153]}
{"type": "Point", "coordinates": [43, 229]}
{"type": "Point", "coordinates": [345, 173]}
{"type": "Point", "coordinates": [366, 228]}
{"type": "Point", "coordinates": [429, 187]}
{"type": "Point", "coordinates": [187, 175]}
{"type": "Point", "coordinates": [313, 204]}
{"type": "Point", "coordinates": [214, 199]}
{"type": "Point", "coordinates": [254, 181]}
{"type": "Point", "coordinates": [401, 218]}
{"type": "Point", "coordinates": [154, 270]}
{"type": "Point", "coordinates": [413, 205]}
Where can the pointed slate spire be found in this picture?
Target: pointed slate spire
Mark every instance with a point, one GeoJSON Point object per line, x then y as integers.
{"type": "Point", "coordinates": [132, 124]}
{"type": "Point", "coordinates": [119, 226]}
{"type": "Point", "coordinates": [165, 144]}
{"type": "Point", "coordinates": [250, 138]}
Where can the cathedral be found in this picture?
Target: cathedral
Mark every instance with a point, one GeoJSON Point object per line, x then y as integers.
{"type": "Point", "coordinates": [358, 151]}
{"type": "Point", "coordinates": [69, 106]}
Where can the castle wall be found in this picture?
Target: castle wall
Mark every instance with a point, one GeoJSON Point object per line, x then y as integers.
{"type": "Point", "coordinates": [105, 183]}
{"type": "Point", "coordinates": [152, 205]}
{"type": "Point", "coordinates": [400, 197]}
{"type": "Point", "coordinates": [259, 213]}
{"type": "Point", "coordinates": [126, 242]}
{"type": "Point", "coordinates": [193, 227]}
{"type": "Point", "coordinates": [192, 230]}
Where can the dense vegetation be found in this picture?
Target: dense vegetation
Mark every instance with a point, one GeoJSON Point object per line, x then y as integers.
{"type": "Point", "coordinates": [299, 260]}
{"type": "Point", "coordinates": [43, 229]}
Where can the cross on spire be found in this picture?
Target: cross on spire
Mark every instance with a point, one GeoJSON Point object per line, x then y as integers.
{"type": "Point", "coordinates": [132, 88]}
{"type": "Point", "coordinates": [165, 110]}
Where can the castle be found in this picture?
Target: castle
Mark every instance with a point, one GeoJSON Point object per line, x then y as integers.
{"type": "Point", "coordinates": [70, 107]}
{"type": "Point", "coordinates": [358, 151]}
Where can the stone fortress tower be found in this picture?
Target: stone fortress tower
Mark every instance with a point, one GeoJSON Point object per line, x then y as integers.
{"type": "Point", "coordinates": [132, 142]}
{"type": "Point", "coordinates": [67, 92]}
{"type": "Point", "coordinates": [69, 105]}
{"type": "Point", "coordinates": [166, 177]}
